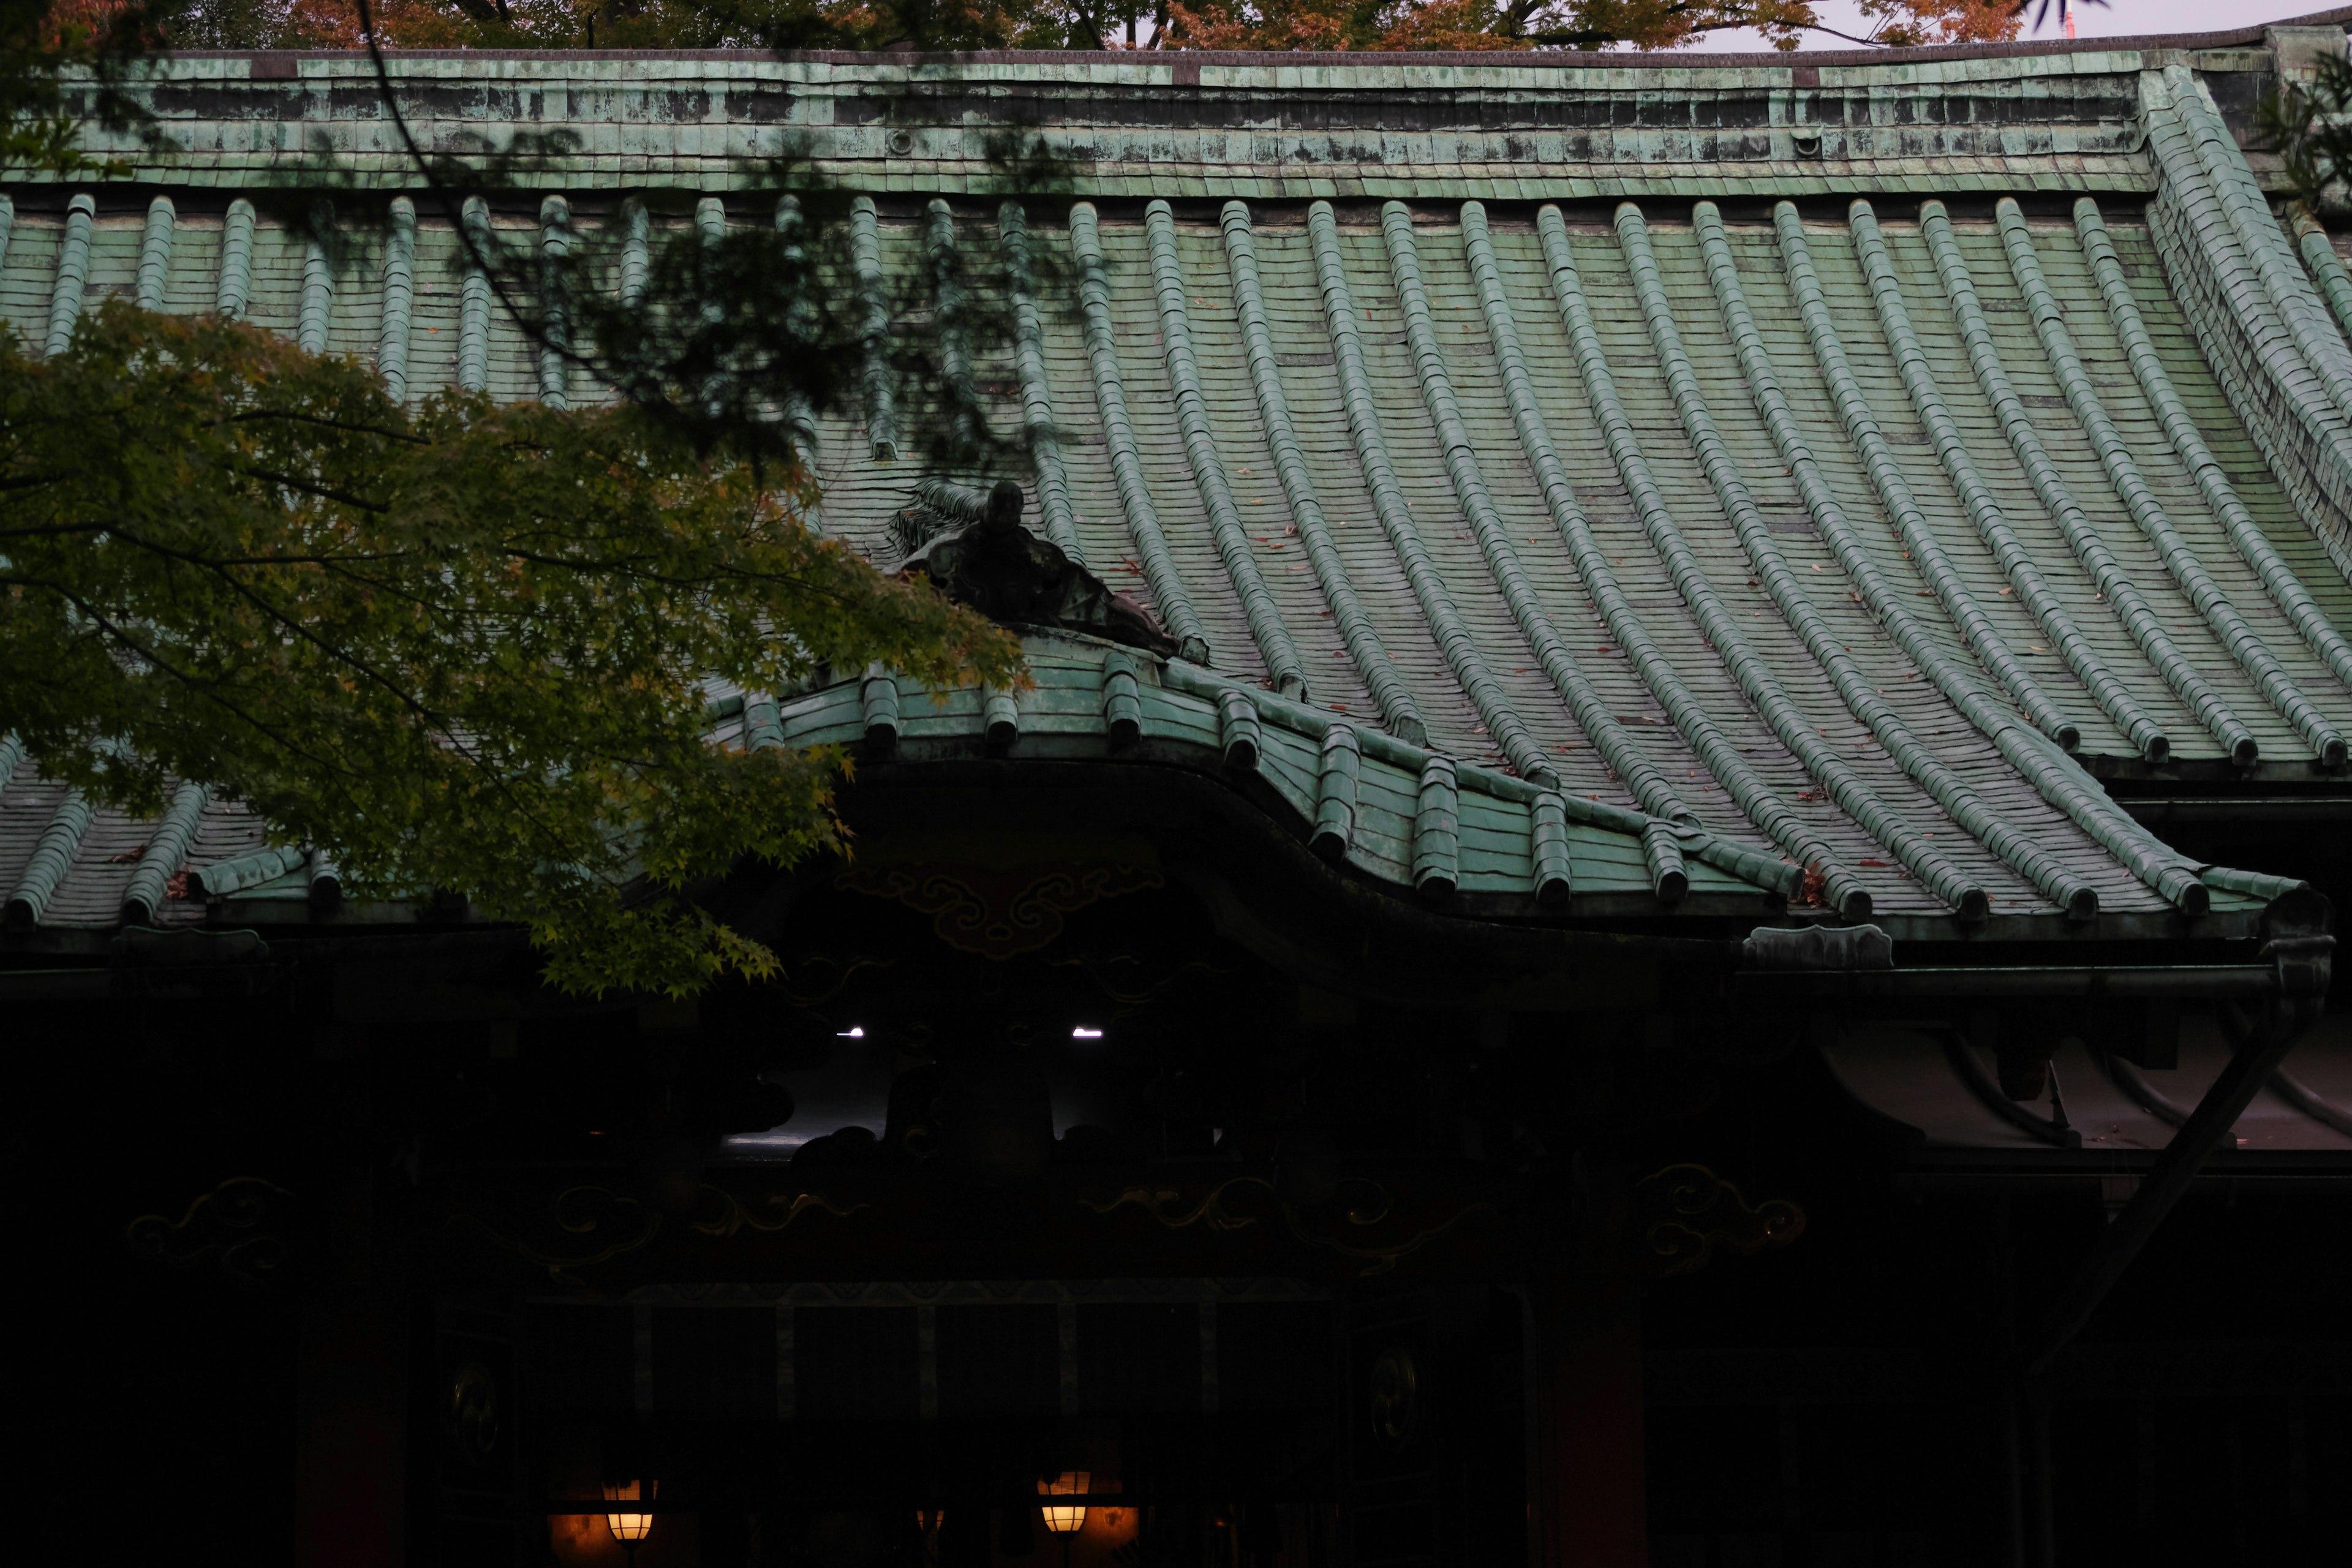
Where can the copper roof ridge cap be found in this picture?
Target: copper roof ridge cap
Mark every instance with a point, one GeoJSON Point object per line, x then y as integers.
{"type": "Point", "coordinates": [1636, 59]}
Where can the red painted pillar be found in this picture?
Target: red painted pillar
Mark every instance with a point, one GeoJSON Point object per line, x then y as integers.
{"type": "Point", "coordinates": [1596, 1507]}
{"type": "Point", "coordinates": [350, 1481]}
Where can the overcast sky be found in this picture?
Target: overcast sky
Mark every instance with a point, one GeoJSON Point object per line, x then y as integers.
{"type": "Point", "coordinates": [2117, 17]}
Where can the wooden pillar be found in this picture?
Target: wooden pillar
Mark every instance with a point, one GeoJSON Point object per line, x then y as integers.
{"type": "Point", "coordinates": [1596, 1508]}
{"type": "Point", "coordinates": [350, 1481]}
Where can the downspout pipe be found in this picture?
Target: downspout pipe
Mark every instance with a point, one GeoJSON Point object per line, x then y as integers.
{"type": "Point", "coordinates": [2299, 952]}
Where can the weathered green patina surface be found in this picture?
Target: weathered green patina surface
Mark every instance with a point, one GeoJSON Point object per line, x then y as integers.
{"type": "Point", "coordinates": [1262, 127]}
{"type": "Point", "coordinates": [1919, 440]}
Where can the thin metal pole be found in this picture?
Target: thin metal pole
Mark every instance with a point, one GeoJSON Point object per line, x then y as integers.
{"type": "Point", "coordinates": [1533, 1381]}
{"type": "Point", "coordinates": [2044, 1539]}
{"type": "Point", "coordinates": [2012, 1454]}
{"type": "Point", "coordinates": [2012, 1467]}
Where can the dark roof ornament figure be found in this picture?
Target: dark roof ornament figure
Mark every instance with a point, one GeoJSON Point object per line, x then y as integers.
{"type": "Point", "coordinates": [972, 545]}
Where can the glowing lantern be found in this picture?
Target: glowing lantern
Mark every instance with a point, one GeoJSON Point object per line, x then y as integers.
{"type": "Point", "coordinates": [630, 1528]}
{"type": "Point", "coordinates": [1065, 1518]}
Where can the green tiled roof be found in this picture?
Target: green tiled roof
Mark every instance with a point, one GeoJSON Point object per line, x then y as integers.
{"type": "Point", "coordinates": [1396, 811]}
{"type": "Point", "coordinates": [1855, 535]}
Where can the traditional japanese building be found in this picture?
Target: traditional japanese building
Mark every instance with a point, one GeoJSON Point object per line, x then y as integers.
{"type": "Point", "coordinates": [1665, 895]}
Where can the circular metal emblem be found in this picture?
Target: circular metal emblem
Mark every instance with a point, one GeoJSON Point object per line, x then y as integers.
{"type": "Point", "coordinates": [1394, 1397]}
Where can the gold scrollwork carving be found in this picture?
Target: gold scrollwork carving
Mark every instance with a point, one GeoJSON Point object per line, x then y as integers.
{"type": "Point", "coordinates": [772, 1213]}
{"type": "Point", "coordinates": [1691, 1211]}
{"type": "Point", "coordinates": [997, 913]}
{"type": "Point", "coordinates": [1380, 1258]}
{"type": "Point", "coordinates": [584, 1211]}
{"type": "Point", "coordinates": [811, 979]}
{"type": "Point", "coordinates": [231, 1226]}
{"type": "Point", "coordinates": [1162, 1205]}
{"type": "Point", "coordinates": [1131, 981]}
{"type": "Point", "coordinates": [1369, 1207]}
{"type": "Point", "coordinates": [624, 1225]}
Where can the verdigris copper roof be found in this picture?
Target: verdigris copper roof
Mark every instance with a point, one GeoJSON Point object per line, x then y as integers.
{"type": "Point", "coordinates": [1921, 440]}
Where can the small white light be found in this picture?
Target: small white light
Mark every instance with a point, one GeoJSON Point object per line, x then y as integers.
{"type": "Point", "coordinates": [857, 1034]}
{"type": "Point", "coordinates": [1085, 1033]}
